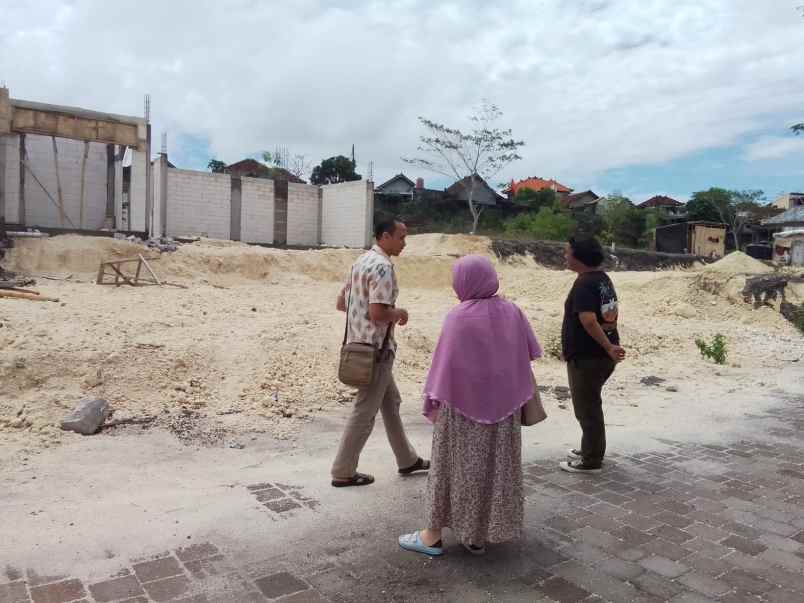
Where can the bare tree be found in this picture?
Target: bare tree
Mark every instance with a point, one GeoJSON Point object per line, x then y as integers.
{"type": "Point", "coordinates": [299, 166]}
{"type": "Point", "coordinates": [468, 157]}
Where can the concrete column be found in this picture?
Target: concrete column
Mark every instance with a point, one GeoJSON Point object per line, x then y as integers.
{"type": "Point", "coordinates": [163, 193]}
{"type": "Point", "coordinates": [369, 213]}
{"type": "Point", "coordinates": [110, 179]}
{"type": "Point", "coordinates": [118, 186]}
{"type": "Point", "coordinates": [3, 176]}
{"type": "Point", "coordinates": [320, 236]}
{"type": "Point", "coordinates": [236, 210]}
{"type": "Point", "coordinates": [23, 158]}
{"type": "Point", "coordinates": [280, 212]}
{"type": "Point", "coordinates": [149, 192]}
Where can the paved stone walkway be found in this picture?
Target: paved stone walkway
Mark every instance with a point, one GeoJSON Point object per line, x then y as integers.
{"type": "Point", "coordinates": [687, 523]}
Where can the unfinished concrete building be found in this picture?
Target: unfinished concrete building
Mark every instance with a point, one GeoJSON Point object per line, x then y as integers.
{"type": "Point", "coordinates": [64, 169]}
{"type": "Point", "coordinates": [72, 169]}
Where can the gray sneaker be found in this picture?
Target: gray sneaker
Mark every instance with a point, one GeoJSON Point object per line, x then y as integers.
{"type": "Point", "coordinates": [574, 453]}
{"type": "Point", "coordinates": [578, 467]}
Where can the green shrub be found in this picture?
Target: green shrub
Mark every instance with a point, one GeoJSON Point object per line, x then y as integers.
{"type": "Point", "coordinates": [715, 351]}
{"type": "Point", "coordinates": [546, 225]}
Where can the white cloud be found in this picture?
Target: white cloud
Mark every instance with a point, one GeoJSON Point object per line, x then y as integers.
{"type": "Point", "coordinates": [589, 85]}
{"type": "Point", "coordinates": [774, 147]}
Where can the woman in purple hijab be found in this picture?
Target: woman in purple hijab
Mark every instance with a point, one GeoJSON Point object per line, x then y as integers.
{"type": "Point", "coordinates": [478, 382]}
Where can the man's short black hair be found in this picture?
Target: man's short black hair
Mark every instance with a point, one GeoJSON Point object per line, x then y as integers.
{"type": "Point", "coordinates": [587, 250]}
{"type": "Point", "coordinates": [384, 226]}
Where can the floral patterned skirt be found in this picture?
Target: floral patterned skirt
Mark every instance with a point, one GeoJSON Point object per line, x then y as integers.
{"type": "Point", "coordinates": [475, 481]}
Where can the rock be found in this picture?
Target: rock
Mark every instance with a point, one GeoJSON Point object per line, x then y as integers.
{"type": "Point", "coordinates": [19, 363]}
{"type": "Point", "coordinates": [651, 380]}
{"type": "Point", "coordinates": [683, 310]}
{"type": "Point", "coordinates": [87, 417]}
{"type": "Point", "coordinates": [671, 388]}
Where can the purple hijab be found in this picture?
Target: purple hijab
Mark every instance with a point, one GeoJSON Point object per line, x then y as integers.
{"type": "Point", "coordinates": [481, 366]}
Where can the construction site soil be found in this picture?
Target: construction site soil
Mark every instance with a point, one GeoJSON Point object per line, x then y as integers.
{"type": "Point", "coordinates": [250, 344]}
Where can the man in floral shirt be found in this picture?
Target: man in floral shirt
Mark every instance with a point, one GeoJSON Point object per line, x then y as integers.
{"type": "Point", "coordinates": [369, 298]}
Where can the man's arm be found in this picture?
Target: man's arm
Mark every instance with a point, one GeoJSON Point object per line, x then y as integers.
{"type": "Point", "coordinates": [340, 303]}
{"type": "Point", "coordinates": [388, 314]}
{"type": "Point", "coordinates": [591, 326]}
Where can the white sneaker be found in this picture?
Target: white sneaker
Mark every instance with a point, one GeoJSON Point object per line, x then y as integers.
{"type": "Point", "coordinates": [578, 467]}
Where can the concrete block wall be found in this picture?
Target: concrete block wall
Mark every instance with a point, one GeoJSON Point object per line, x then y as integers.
{"type": "Point", "coordinates": [39, 209]}
{"type": "Point", "coordinates": [198, 204]}
{"type": "Point", "coordinates": [347, 211]}
{"type": "Point", "coordinates": [257, 213]}
{"type": "Point", "coordinates": [304, 216]}
{"type": "Point", "coordinates": [10, 173]}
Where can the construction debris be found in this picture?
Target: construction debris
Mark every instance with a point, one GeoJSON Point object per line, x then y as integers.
{"type": "Point", "coordinates": [163, 244]}
{"type": "Point", "coordinates": [25, 294]}
{"type": "Point", "coordinates": [136, 280]}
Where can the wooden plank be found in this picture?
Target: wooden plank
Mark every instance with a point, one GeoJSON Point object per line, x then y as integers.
{"type": "Point", "coordinates": [26, 295]}
{"type": "Point", "coordinates": [47, 192]}
{"type": "Point", "coordinates": [83, 184]}
{"type": "Point", "coordinates": [58, 181]}
{"type": "Point", "coordinates": [148, 268]}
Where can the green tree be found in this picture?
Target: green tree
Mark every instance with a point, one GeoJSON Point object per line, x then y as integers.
{"type": "Point", "coordinates": [623, 223]}
{"type": "Point", "coordinates": [333, 170]}
{"type": "Point", "coordinates": [735, 209]}
{"type": "Point", "coordinates": [708, 205]}
{"type": "Point", "coordinates": [589, 224]}
{"type": "Point", "coordinates": [535, 199]}
{"type": "Point", "coordinates": [654, 217]}
{"type": "Point", "coordinates": [465, 156]}
{"type": "Point", "coordinates": [547, 224]}
{"type": "Point", "coordinates": [214, 165]}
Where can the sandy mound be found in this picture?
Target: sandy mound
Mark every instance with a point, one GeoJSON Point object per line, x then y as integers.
{"type": "Point", "coordinates": [68, 253]}
{"type": "Point", "coordinates": [450, 245]}
{"type": "Point", "coordinates": [738, 263]}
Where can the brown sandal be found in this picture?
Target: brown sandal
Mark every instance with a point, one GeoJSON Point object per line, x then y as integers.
{"type": "Point", "coordinates": [358, 479]}
{"type": "Point", "coordinates": [419, 465]}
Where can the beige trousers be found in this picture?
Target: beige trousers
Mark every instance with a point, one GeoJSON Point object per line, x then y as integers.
{"type": "Point", "coordinates": [380, 395]}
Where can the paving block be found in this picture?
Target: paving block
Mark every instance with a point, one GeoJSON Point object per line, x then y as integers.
{"type": "Point", "coordinates": [663, 566]}
{"type": "Point", "coordinates": [167, 589]}
{"type": "Point", "coordinates": [281, 584]}
{"type": "Point", "coordinates": [59, 592]}
{"type": "Point", "coordinates": [118, 588]}
{"type": "Point", "coordinates": [158, 569]}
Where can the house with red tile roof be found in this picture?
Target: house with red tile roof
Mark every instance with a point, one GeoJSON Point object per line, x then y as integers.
{"type": "Point", "coordinates": [535, 183]}
{"type": "Point", "coordinates": [661, 201]}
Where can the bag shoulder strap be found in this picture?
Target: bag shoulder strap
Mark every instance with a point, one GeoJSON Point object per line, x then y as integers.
{"type": "Point", "coordinates": [348, 304]}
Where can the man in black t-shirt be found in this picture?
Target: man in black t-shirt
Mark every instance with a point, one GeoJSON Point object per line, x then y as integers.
{"type": "Point", "coordinates": [591, 347]}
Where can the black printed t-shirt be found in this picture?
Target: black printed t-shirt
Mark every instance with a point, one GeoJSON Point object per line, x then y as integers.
{"type": "Point", "coordinates": [591, 292]}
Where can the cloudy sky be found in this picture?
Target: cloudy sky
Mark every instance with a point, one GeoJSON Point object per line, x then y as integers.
{"type": "Point", "coordinates": [640, 96]}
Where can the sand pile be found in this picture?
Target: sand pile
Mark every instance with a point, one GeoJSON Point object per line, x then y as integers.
{"type": "Point", "coordinates": [68, 253]}
{"type": "Point", "coordinates": [228, 263]}
{"type": "Point", "coordinates": [738, 263]}
{"type": "Point", "coordinates": [449, 245]}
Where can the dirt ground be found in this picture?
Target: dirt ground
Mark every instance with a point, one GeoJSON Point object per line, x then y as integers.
{"type": "Point", "coordinates": [250, 345]}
